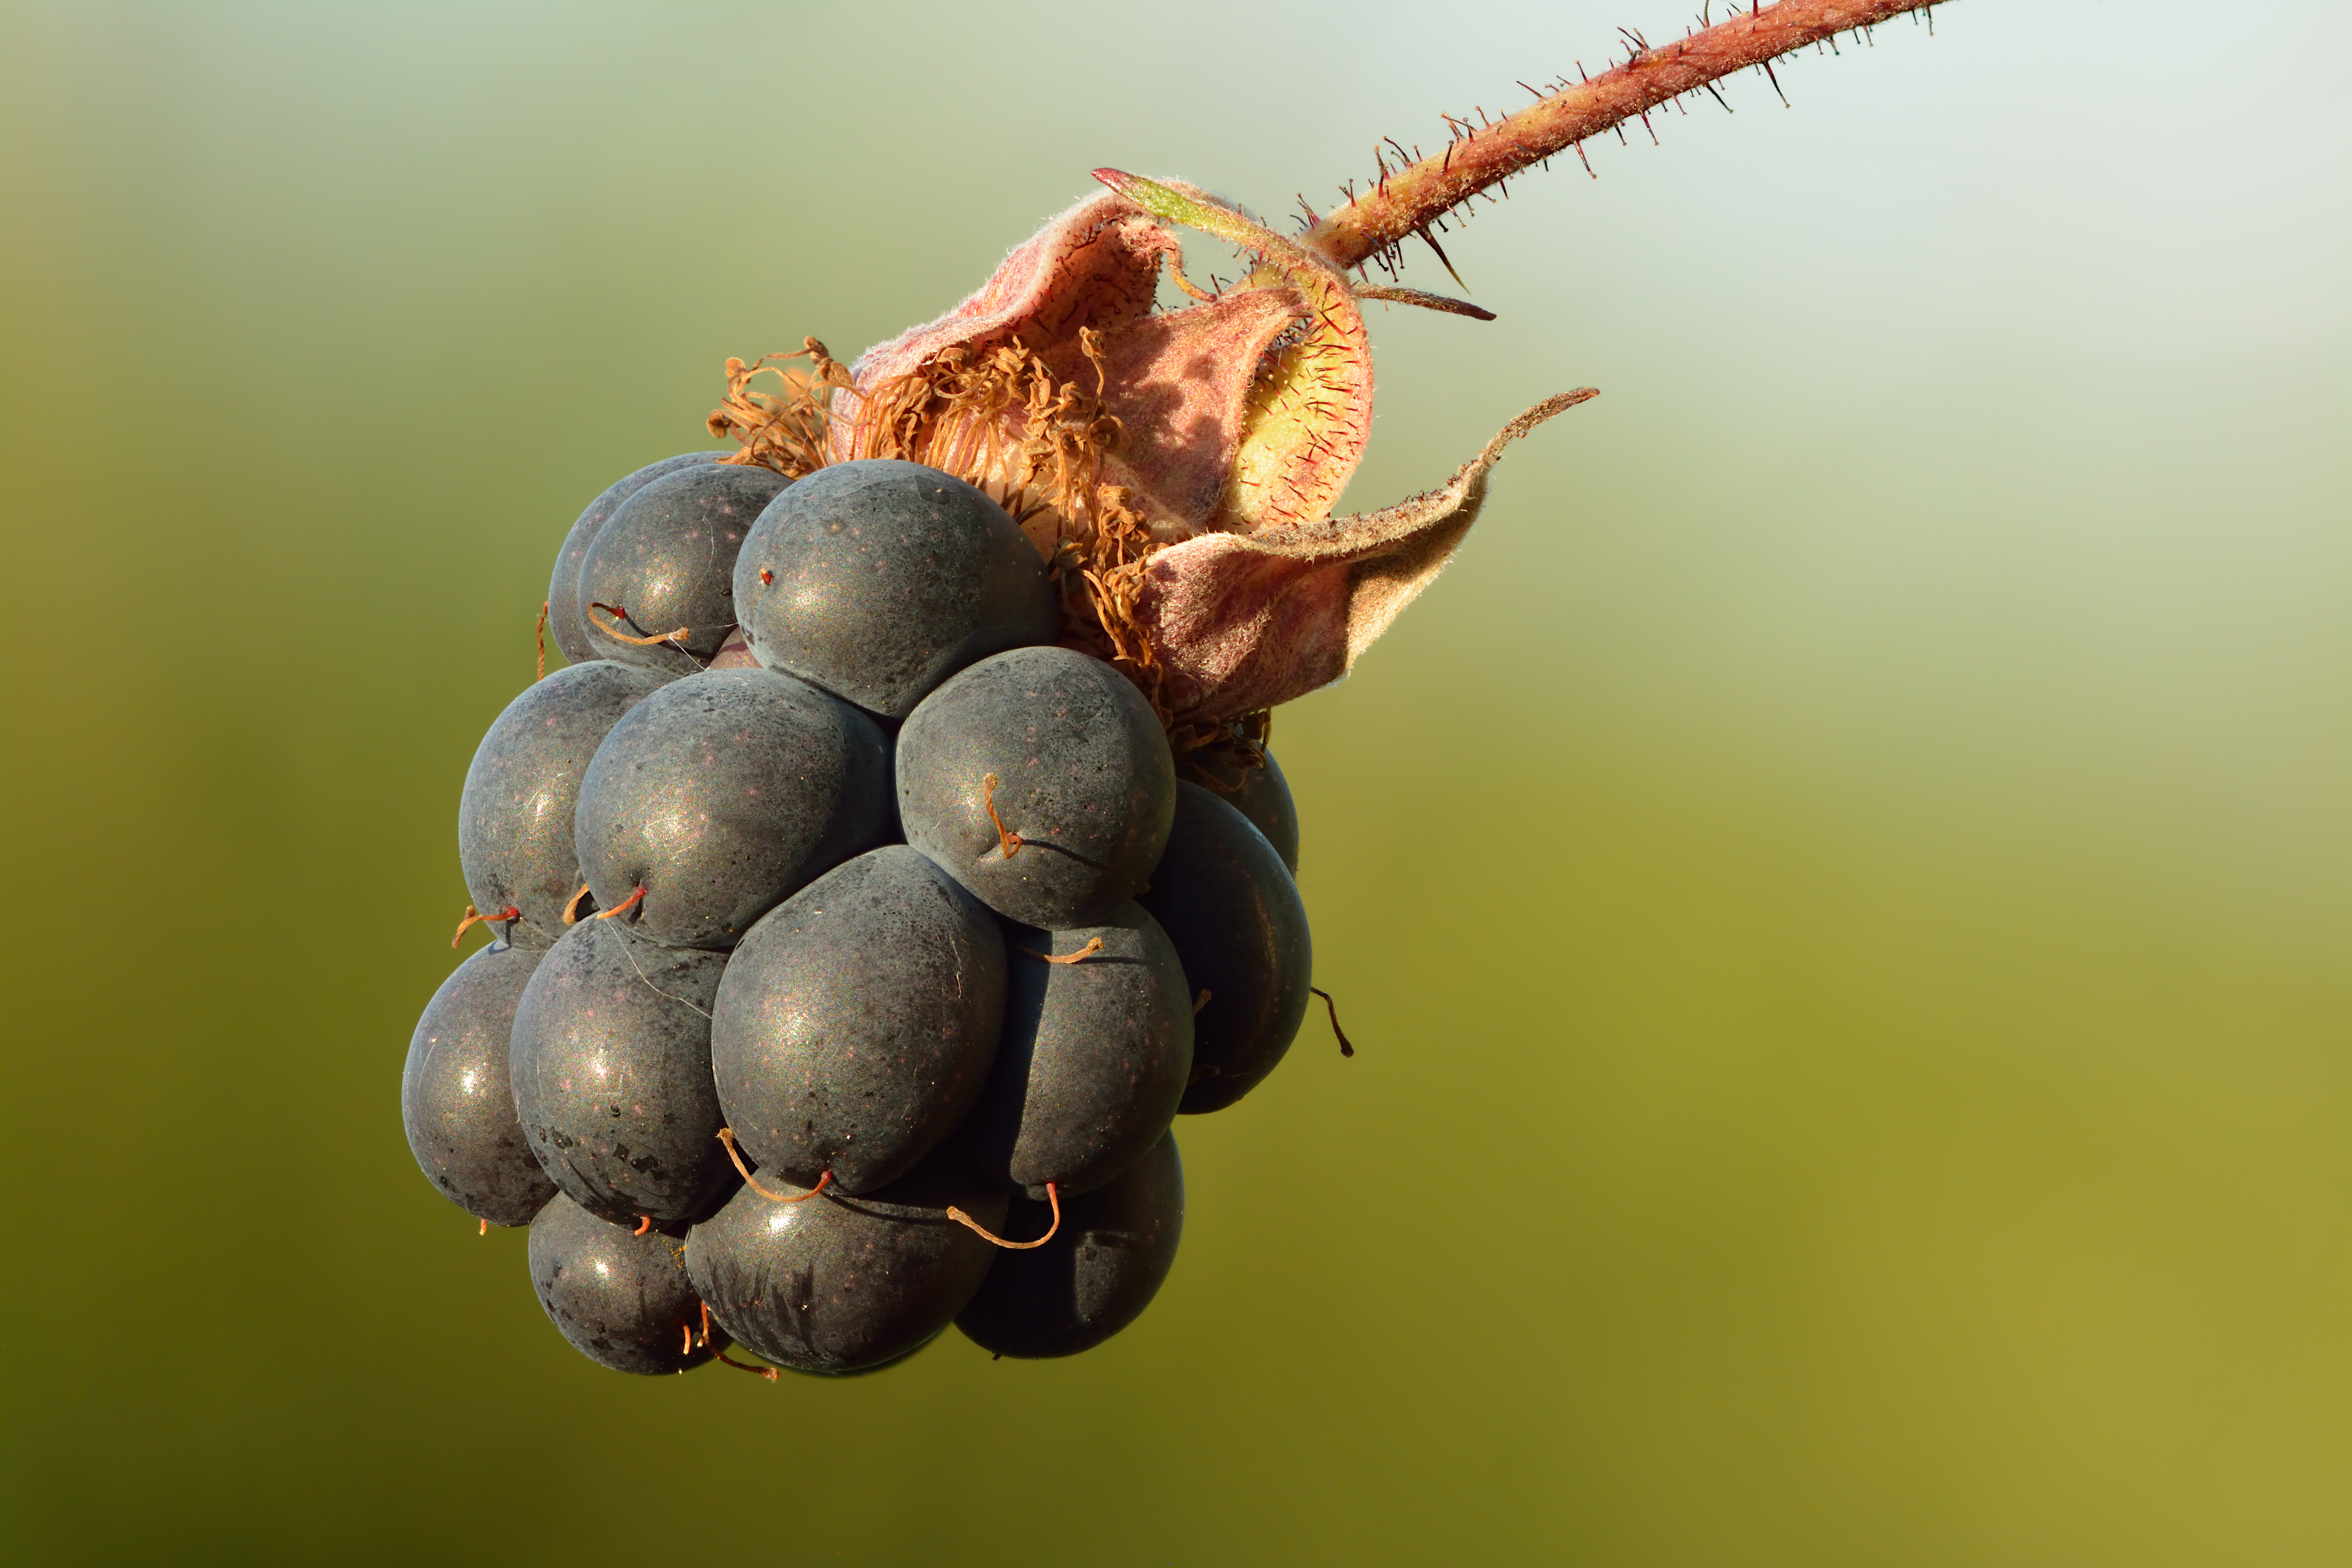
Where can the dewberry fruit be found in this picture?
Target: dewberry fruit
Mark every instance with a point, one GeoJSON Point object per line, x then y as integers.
{"type": "Point", "coordinates": [572, 634]}
{"type": "Point", "coordinates": [1041, 780]}
{"type": "Point", "coordinates": [454, 1098]}
{"type": "Point", "coordinates": [879, 579]}
{"type": "Point", "coordinates": [1097, 1047]}
{"type": "Point", "coordinates": [855, 1026]}
{"type": "Point", "coordinates": [1225, 900]}
{"type": "Point", "coordinates": [720, 796]}
{"type": "Point", "coordinates": [611, 1061]}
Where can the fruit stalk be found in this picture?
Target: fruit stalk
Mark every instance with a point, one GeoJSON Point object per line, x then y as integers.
{"type": "Point", "coordinates": [1407, 200]}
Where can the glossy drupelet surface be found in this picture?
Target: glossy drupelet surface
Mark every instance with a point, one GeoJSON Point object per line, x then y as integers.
{"type": "Point", "coordinates": [840, 1283]}
{"type": "Point", "coordinates": [611, 1065]}
{"type": "Point", "coordinates": [515, 834]}
{"type": "Point", "coordinates": [1260, 793]}
{"type": "Point", "coordinates": [723, 794]}
{"type": "Point", "coordinates": [880, 579]}
{"type": "Point", "coordinates": [1111, 1256]}
{"type": "Point", "coordinates": [1226, 902]}
{"type": "Point", "coordinates": [1094, 1057]}
{"type": "Point", "coordinates": [572, 634]}
{"type": "Point", "coordinates": [623, 1300]}
{"type": "Point", "coordinates": [856, 1025]}
{"type": "Point", "coordinates": [1083, 773]}
{"type": "Point", "coordinates": [454, 1101]}
{"type": "Point", "coordinates": [667, 559]}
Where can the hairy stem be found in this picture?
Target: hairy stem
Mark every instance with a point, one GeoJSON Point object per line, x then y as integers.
{"type": "Point", "coordinates": [1407, 200]}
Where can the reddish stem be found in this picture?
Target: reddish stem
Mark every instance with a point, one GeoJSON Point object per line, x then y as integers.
{"type": "Point", "coordinates": [1407, 200]}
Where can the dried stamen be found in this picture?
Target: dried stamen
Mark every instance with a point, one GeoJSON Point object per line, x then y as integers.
{"type": "Point", "coordinates": [485, 1230]}
{"type": "Point", "coordinates": [618, 614]}
{"type": "Point", "coordinates": [687, 1330]}
{"type": "Point", "coordinates": [571, 914]}
{"type": "Point", "coordinates": [644, 1224]}
{"type": "Point", "coordinates": [727, 1136]}
{"type": "Point", "coordinates": [1094, 945]}
{"type": "Point", "coordinates": [1345, 1049]}
{"type": "Point", "coordinates": [1007, 840]}
{"type": "Point", "coordinates": [509, 913]}
{"type": "Point", "coordinates": [543, 604]}
{"type": "Point", "coordinates": [1200, 1001]}
{"type": "Point", "coordinates": [624, 905]}
{"type": "Point", "coordinates": [1052, 1195]}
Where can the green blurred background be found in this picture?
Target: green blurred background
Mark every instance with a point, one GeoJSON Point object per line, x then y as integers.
{"type": "Point", "coordinates": [1840, 892]}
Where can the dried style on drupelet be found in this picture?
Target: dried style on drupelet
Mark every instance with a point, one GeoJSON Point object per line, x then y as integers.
{"type": "Point", "coordinates": [900, 853]}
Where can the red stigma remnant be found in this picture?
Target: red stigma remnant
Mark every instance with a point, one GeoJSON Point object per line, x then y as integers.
{"type": "Point", "coordinates": [625, 905]}
{"type": "Point", "coordinates": [1345, 1049]}
{"type": "Point", "coordinates": [1053, 1196]}
{"type": "Point", "coordinates": [644, 1224]}
{"type": "Point", "coordinates": [727, 1136]}
{"type": "Point", "coordinates": [509, 913]}
{"type": "Point", "coordinates": [1094, 945]}
{"type": "Point", "coordinates": [766, 578]}
{"type": "Point", "coordinates": [1007, 841]}
{"type": "Point", "coordinates": [676, 636]}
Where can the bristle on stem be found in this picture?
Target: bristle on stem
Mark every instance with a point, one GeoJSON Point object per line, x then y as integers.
{"type": "Point", "coordinates": [1405, 201]}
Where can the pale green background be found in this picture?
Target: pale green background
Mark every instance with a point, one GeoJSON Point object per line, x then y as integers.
{"type": "Point", "coordinates": [1840, 892]}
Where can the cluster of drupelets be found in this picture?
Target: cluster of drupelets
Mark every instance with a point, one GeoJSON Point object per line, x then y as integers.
{"type": "Point", "coordinates": [857, 945]}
